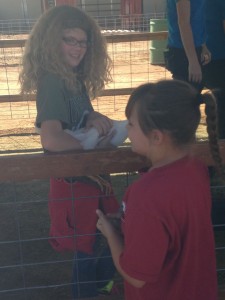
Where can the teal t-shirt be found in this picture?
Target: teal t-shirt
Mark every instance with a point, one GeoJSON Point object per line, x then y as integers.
{"type": "Point", "coordinates": [197, 21]}
{"type": "Point", "coordinates": [55, 102]}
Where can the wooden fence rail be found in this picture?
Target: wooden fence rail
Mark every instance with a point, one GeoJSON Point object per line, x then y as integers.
{"type": "Point", "coordinates": [31, 97]}
{"type": "Point", "coordinates": [110, 38]}
{"type": "Point", "coordinates": [78, 163]}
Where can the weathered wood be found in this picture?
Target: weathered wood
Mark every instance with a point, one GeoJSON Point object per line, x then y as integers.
{"type": "Point", "coordinates": [16, 98]}
{"type": "Point", "coordinates": [12, 43]}
{"type": "Point", "coordinates": [110, 38]}
{"type": "Point", "coordinates": [40, 166]}
{"type": "Point", "coordinates": [32, 97]}
{"type": "Point", "coordinates": [136, 37]}
{"type": "Point", "coordinates": [77, 163]}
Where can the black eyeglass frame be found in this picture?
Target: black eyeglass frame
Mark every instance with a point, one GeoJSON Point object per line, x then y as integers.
{"type": "Point", "coordinates": [75, 43]}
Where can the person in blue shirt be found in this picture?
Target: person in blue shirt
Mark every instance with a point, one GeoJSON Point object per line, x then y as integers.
{"type": "Point", "coordinates": [214, 72]}
{"type": "Point", "coordinates": [186, 53]}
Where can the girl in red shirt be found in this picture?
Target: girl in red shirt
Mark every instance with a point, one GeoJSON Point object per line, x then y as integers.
{"type": "Point", "coordinates": [167, 248]}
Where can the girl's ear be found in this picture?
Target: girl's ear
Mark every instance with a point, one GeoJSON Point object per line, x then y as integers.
{"type": "Point", "coordinates": [157, 136]}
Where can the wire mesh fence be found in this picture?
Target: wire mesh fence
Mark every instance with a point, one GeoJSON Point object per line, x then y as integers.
{"type": "Point", "coordinates": [106, 20]}
{"type": "Point", "coordinates": [14, 27]}
{"type": "Point", "coordinates": [131, 66]}
{"type": "Point", "coordinates": [30, 268]}
{"type": "Point", "coordinates": [130, 57]}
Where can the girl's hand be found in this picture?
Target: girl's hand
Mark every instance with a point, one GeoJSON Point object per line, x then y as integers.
{"type": "Point", "coordinates": [105, 142]}
{"type": "Point", "coordinates": [205, 55]}
{"type": "Point", "coordinates": [194, 71]}
{"type": "Point", "coordinates": [104, 225]}
{"type": "Point", "coordinates": [102, 123]}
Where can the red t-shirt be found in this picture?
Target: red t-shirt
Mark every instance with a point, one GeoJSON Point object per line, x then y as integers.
{"type": "Point", "coordinates": [169, 240]}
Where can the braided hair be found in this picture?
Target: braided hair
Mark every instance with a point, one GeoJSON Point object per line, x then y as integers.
{"type": "Point", "coordinates": [174, 106]}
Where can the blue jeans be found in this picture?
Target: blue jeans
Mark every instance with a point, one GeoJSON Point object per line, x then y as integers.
{"type": "Point", "coordinates": [91, 272]}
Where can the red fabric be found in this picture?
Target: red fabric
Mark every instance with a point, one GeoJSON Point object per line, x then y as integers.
{"type": "Point", "coordinates": [72, 209]}
{"type": "Point", "coordinates": [169, 242]}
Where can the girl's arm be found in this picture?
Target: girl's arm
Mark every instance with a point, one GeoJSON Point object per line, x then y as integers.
{"type": "Point", "coordinates": [55, 139]}
{"type": "Point", "coordinates": [184, 16]}
{"type": "Point", "coordinates": [115, 242]}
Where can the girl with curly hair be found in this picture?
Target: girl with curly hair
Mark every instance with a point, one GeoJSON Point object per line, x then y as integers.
{"type": "Point", "coordinates": [66, 64]}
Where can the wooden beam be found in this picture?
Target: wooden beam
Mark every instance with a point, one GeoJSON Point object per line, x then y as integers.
{"type": "Point", "coordinates": [12, 43]}
{"type": "Point", "coordinates": [17, 98]}
{"type": "Point", "coordinates": [32, 97]}
{"type": "Point", "coordinates": [110, 38]}
{"type": "Point", "coordinates": [78, 163]}
{"type": "Point", "coordinates": [136, 36]}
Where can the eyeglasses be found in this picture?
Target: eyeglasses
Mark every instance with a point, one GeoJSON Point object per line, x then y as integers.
{"type": "Point", "coordinates": [75, 43]}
